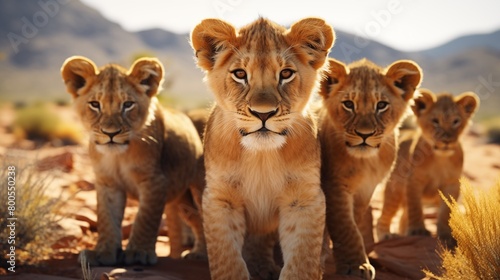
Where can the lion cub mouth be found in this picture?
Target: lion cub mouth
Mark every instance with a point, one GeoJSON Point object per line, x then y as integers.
{"type": "Point", "coordinates": [263, 131]}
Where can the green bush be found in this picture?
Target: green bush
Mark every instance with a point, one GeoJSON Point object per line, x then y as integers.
{"type": "Point", "coordinates": [41, 124]}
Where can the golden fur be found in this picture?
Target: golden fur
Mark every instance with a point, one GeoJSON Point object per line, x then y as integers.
{"type": "Point", "coordinates": [262, 155]}
{"type": "Point", "coordinates": [140, 150]}
{"type": "Point", "coordinates": [429, 159]}
{"type": "Point", "coordinates": [362, 107]}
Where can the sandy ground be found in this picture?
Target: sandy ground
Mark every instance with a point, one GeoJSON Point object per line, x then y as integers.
{"type": "Point", "coordinates": [401, 258]}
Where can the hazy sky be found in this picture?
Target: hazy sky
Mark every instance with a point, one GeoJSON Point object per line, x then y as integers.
{"type": "Point", "coordinates": [402, 24]}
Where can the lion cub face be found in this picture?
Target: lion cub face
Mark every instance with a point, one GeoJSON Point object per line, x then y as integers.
{"type": "Point", "coordinates": [112, 102]}
{"type": "Point", "coordinates": [365, 102]}
{"type": "Point", "coordinates": [443, 118]}
{"type": "Point", "coordinates": [263, 79]}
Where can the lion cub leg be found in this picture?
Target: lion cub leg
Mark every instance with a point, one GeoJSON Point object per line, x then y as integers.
{"type": "Point", "coordinates": [174, 225]}
{"type": "Point", "coordinates": [258, 252]}
{"type": "Point", "coordinates": [348, 248]}
{"type": "Point", "coordinates": [141, 246]}
{"type": "Point", "coordinates": [191, 215]}
{"type": "Point", "coordinates": [225, 227]}
{"type": "Point", "coordinates": [301, 230]}
{"type": "Point", "coordinates": [393, 198]}
{"type": "Point", "coordinates": [443, 227]}
{"type": "Point", "coordinates": [110, 208]}
{"type": "Point", "coordinates": [414, 193]}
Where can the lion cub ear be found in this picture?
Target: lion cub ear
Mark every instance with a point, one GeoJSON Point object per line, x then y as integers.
{"type": "Point", "coordinates": [209, 38]}
{"type": "Point", "coordinates": [468, 101]}
{"type": "Point", "coordinates": [77, 72]}
{"type": "Point", "coordinates": [423, 102]}
{"type": "Point", "coordinates": [148, 74]}
{"type": "Point", "coordinates": [312, 39]}
{"type": "Point", "coordinates": [333, 77]}
{"type": "Point", "coordinates": [405, 76]}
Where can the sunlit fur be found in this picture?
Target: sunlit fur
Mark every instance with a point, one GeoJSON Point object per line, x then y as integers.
{"type": "Point", "coordinates": [358, 147]}
{"type": "Point", "coordinates": [430, 159]}
{"type": "Point", "coordinates": [140, 150]}
{"type": "Point", "coordinates": [262, 172]}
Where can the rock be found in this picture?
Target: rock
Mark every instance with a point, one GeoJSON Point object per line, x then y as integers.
{"type": "Point", "coordinates": [63, 161]}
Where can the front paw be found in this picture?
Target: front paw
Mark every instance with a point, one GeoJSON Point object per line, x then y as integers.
{"type": "Point", "coordinates": [448, 241]}
{"type": "Point", "coordinates": [265, 269]}
{"type": "Point", "coordinates": [100, 257]}
{"type": "Point", "coordinates": [139, 256]}
{"type": "Point", "coordinates": [195, 255]}
{"type": "Point", "coordinates": [364, 271]}
{"type": "Point", "coordinates": [419, 232]}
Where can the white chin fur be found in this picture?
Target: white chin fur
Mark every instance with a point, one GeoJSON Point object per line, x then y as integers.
{"type": "Point", "coordinates": [261, 142]}
{"type": "Point", "coordinates": [362, 152]}
{"type": "Point", "coordinates": [107, 149]}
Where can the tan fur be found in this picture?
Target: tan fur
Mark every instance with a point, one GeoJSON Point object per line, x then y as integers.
{"type": "Point", "coordinates": [140, 150]}
{"type": "Point", "coordinates": [430, 159]}
{"type": "Point", "coordinates": [350, 171]}
{"type": "Point", "coordinates": [261, 149]}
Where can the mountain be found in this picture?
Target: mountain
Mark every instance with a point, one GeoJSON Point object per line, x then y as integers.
{"type": "Point", "coordinates": [474, 41]}
{"type": "Point", "coordinates": [37, 36]}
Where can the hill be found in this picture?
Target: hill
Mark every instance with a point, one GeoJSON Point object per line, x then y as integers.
{"type": "Point", "coordinates": [37, 36]}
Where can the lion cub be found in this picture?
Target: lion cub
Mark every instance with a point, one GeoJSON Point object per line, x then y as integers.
{"type": "Point", "coordinates": [362, 107]}
{"type": "Point", "coordinates": [136, 149]}
{"type": "Point", "coordinates": [430, 159]}
{"type": "Point", "coordinates": [262, 154]}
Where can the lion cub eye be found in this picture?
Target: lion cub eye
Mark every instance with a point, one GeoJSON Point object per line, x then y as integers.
{"type": "Point", "coordinates": [382, 106]}
{"type": "Point", "coordinates": [239, 75]}
{"type": "Point", "coordinates": [127, 106]}
{"type": "Point", "coordinates": [286, 75]}
{"type": "Point", "coordinates": [435, 122]}
{"type": "Point", "coordinates": [456, 122]}
{"type": "Point", "coordinates": [95, 106]}
{"type": "Point", "coordinates": [348, 105]}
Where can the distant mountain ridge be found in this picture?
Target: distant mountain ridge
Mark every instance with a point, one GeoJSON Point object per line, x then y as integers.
{"type": "Point", "coordinates": [37, 36]}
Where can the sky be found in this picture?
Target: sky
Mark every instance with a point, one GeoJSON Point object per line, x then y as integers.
{"type": "Point", "coordinates": [407, 25]}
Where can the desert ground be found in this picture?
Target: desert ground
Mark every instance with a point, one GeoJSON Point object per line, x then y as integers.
{"type": "Point", "coordinates": [72, 183]}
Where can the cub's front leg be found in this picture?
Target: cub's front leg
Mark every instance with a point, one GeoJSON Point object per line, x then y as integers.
{"type": "Point", "coordinates": [152, 198]}
{"type": "Point", "coordinates": [301, 230]}
{"type": "Point", "coordinates": [348, 247]}
{"type": "Point", "coordinates": [451, 190]}
{"type": "Point", "coordinates": [225, 227]}
{"type": "Point", "coordinates": [110, 208]}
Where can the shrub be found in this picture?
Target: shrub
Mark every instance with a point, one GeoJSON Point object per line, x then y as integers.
{"type": "Point", "coordinates": [36, 221]}
{"type": "Point", "coordinates": [477, 231]}
{"type": "Point", "coordinates": [40, 124]}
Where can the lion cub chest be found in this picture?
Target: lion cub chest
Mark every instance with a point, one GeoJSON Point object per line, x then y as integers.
{"type": "Point", "coordinates": [119, 171]}
{"type": "Point", "coordinates": [262, 178]}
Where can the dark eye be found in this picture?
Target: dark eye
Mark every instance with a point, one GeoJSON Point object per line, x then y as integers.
{"type": "Point", "coordinates": [239, 75]}
{"type": "Point", "coordinates": [348, 105]}
{"type": "Point", "coordinates": [286, 75]}
{"type": "Point", "coordinates": [435, 122]}
{"type": "Point", "coordinates": [382, 106]}
{"type": "Point", "coordinates": [95, 105]}
{"type": "Point", "coordinates": [128, 105]}
{"type": "Point", "coordinates": [456, 122]}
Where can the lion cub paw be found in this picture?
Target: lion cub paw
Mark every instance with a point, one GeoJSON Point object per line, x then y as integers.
{"type": "Point", "coordinates": [264, 269]}
{"type": "Point", "coordinates": [195, 255]}
{"type": "Point", "coordinates": [138, 256]}
{"type": "Point", "coordinates": [419, 232]}
{"type": "Point", "coordinates": [364, 271]}
{"type": "Point", "coordinates": [100, 258]}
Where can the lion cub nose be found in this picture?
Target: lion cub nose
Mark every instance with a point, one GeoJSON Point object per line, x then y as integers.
{"type": "Point", "coordinates": [364, 134]}
{"type": "Point", "coordinates": [111, 134]}
{"type": "Point", "coordinates": [263, 116]}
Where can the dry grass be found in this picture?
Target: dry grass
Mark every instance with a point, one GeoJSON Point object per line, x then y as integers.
{"type": "Point", "coordinates": [36, 221]}
{"type": "Point", "coordinates": [476, 228]}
